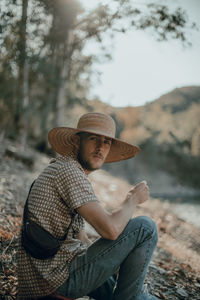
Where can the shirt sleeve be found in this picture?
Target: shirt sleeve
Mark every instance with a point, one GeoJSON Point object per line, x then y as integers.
{"type": "Point", "coordinates": [73, 186]}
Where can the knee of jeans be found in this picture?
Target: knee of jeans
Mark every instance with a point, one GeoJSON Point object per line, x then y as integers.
{"type": "Point", "coordinates": [148, 223]}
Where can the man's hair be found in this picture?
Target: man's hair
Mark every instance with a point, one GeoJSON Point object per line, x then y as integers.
{"type": "Point", "coordinates": [83, 134]}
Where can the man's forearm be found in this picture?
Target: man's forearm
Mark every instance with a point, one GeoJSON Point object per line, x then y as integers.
{"type": "Point", "coordinates": [121, 217]}
{"type": "Point", "coordinates": [137, 195]}
{"type": "Point", "coordinates": [111, 225]}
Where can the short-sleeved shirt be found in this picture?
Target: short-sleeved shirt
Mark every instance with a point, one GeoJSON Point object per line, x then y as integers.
{"type": "Point", "coordinates": [56, 194]}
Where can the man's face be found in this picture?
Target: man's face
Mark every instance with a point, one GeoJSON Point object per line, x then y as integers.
{"type": "Point", "coordinates": [93, 151]}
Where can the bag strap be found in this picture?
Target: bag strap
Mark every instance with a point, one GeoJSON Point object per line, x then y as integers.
{"type": "Point", "coordinates": [26, 204]}
{"type": "Point", "coordinates": [26, 214]}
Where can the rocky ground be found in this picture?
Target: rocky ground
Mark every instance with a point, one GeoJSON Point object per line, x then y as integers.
{"type": "Point", "coordinates": [175, 268]}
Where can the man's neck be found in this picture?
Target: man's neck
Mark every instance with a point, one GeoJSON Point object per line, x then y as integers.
{"type": "Point", "coordinates": [87, 172]}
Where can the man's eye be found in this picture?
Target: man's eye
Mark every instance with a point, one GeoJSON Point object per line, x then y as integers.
{"type": "Point", "coordinates": [107, 142]}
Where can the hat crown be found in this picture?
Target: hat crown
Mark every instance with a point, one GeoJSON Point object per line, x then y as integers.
{"type": "Point", "coordinates": [97, 123]}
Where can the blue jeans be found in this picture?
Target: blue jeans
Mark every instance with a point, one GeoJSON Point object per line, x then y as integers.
{"type": "Point", "coordinates": [128, 256]}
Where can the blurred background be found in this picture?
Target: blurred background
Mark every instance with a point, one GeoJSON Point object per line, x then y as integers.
{"type": "Point", "coordinates": [138, 61]}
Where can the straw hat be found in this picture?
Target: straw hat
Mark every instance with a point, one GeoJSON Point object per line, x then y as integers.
{"type": "Point", "coordinates": [62, 138]}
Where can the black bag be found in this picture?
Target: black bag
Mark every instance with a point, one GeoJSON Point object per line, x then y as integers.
{"type": "Point", "coordinates": [37, 241]}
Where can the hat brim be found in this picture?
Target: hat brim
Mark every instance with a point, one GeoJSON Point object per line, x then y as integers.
{"type": "Point", "coordinates": [61, 140]}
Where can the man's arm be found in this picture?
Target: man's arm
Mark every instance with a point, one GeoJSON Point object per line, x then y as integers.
{"type": "Point", "coordinates": [111, 225]}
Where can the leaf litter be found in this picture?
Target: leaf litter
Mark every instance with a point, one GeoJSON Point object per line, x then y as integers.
{"type": "Point", "coordinates": [174, 270]}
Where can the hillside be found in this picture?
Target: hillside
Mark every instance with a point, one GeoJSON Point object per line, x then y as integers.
{"type": "Point", "coordinates": [174, 270]}
{"type": "Point", "coordinates": [168, 133]}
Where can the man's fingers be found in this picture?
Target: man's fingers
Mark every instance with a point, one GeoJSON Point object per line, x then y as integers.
{"type": "Point", "coordinates": [138, 187]}
{"type": "Point", "coordinates": [144, 181]}
{"type": "Point", "coordinates": [141, 185]}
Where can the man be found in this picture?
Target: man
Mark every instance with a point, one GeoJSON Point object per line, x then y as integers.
{"type": "Point", "coordinates": [114, 266]}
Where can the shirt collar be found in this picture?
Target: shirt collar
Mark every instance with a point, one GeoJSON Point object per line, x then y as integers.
{"type": "Point", "coordinates": [68, 158]}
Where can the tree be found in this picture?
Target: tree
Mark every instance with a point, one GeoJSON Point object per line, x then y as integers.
{"type": "Point", "coordinates": [50, 37]}
{"type": "Point", "coordinates": [22, 93]}
{"type": "Point", "coordinates": [105, 19]}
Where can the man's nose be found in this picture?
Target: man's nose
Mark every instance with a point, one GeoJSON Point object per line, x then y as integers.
{"type": "Point", "coordinates": [99, 144]}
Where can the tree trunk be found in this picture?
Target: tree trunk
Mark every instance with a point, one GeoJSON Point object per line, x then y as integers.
{"type": "Point", "coordinates": [22, 88]}
{"type": "Point", "coordinates": [25, 103]}
{"type": "Point", "coordinates": [61, 101]}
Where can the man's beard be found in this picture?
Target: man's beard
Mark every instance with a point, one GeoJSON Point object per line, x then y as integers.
{"type": "Point", "coordinates": [86, 164]}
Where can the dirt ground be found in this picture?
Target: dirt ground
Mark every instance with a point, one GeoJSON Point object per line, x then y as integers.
{"type": "Point", "coordinates": [174, 272]}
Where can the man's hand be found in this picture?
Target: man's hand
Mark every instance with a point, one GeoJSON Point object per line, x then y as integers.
{"type": "Point", "coordinates": [139, 193]}
{"type": "Point", "coordinates": [82, 235]}
{"type": "Point", "coordinates": [110, 225]}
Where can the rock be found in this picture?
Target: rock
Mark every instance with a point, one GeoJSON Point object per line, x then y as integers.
{"type": "Point", "coordinates": [23, 157]}
{"type": "Point", "coordinates": [182, 292]}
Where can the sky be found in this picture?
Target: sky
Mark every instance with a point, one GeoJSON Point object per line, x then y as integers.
{"type": "Point", "coordinates": [143, 69]}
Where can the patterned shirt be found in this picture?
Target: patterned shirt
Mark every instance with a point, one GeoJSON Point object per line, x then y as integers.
{"type": "Point", "coordinates": [56, 194]}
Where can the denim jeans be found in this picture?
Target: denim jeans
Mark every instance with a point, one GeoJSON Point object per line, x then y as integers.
{"type": "Point", "coordinates": [128, 256]}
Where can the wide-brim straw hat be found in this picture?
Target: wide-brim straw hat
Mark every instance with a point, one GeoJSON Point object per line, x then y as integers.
{"type": "Point", "coordinates": [62, 138]}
